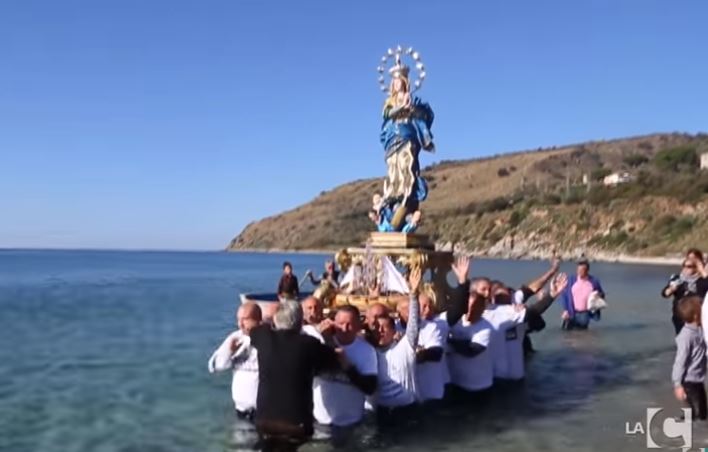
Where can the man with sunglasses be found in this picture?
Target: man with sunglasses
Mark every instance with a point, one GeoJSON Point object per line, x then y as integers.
{"type": "Point", "coordinates": [691, 281]}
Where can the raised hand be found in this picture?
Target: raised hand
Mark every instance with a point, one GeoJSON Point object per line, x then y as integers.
{"type": "Point", "coordinates": [558, 284]}
{"type": "Point", "coordinates": [414, 279]}
{"type": "Point", "coordinates": [461, 268]}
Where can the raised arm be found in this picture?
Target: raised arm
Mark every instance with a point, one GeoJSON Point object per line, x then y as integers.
{"type": "Point", "coordinates": [538, 283]}
{"type": "Point", "coordinates": [313, 280]}
{"type": "Point", "coordinates": [413, 326]}
{"type": "Point", "coordinates": [545, 301]}
{"type": "Point", "coordinates": [459, 297]}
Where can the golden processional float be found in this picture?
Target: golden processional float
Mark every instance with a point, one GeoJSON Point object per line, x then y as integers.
{"type": "Point", "coordinates": [374, 272]}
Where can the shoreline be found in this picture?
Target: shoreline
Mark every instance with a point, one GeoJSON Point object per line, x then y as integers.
{"type": "Point", "coordinates": [599, 257]}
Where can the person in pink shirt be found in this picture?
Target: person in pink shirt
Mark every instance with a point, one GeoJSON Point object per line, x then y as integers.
{"type": "Point", "coordinates": [576, 295]}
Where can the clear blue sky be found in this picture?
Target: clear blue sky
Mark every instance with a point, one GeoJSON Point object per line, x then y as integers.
{"type": "Point", "coordinates": [172, 124]}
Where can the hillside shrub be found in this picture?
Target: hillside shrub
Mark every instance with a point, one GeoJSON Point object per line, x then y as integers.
{"type": "Point", "coordinates": [635, 160]}
{"type": "Point", "coordinates": [600, 173]}
{"type": "Point", "coordinates": [674, 159]}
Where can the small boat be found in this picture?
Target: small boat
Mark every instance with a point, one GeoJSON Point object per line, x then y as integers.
{"type": "Point", "coordinates": [267, 300]}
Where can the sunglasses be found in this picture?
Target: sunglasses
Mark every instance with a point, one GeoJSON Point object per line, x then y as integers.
{"type": "Point", "coordinates": [689, 266]}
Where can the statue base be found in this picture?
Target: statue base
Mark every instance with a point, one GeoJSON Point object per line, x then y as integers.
{"type": "Point", "coordinates": [407, 251]}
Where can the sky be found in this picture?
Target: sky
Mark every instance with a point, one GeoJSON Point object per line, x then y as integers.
{"type": "Point", "coordinates": [162, 124]}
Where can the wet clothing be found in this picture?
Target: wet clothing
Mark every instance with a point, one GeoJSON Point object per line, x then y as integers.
{"type": "Point", "coordinates": [287, 363]}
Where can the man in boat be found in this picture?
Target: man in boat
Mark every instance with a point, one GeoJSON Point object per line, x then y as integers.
{"type": "Point", "coordinates": [397, 390]}
{"type": "Point", "coordinates": [339, 396]}
{"type": "Point", "coordinates": [331, 275]}
{"type": "Point", "coordinates": [288, 287]}
{"type": "Point", "coordinates": [237, 354]}
{"type": "Point", "coordinates": [288, 361]}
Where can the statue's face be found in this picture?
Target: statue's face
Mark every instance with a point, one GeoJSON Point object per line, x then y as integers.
{"type": "Point", "coordinates": [397, 85]}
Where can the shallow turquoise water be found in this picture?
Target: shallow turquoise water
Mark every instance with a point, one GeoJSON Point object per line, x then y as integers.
{"type": "Point", "coordinates": [106, 351]}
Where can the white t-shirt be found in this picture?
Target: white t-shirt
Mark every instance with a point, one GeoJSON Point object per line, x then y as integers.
{"type": "Point", "coordinates": [336, 400]}
{"type": "Point", "coordinates": [475, 373]}
{"type": "Point", "coordinates": [506, 344]}
{"type": "Point", "coordinates": [396, 372]}
{"type": "Point", "coordinates": [431, 377]}
{"type": "Point", "coordinates": [244, 362]}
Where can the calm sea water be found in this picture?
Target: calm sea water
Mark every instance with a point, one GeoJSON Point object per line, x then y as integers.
{"type": "Point", "coordinates": [107, 351]}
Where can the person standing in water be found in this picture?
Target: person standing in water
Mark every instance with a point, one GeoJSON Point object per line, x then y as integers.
{"type": "Point", "coordinates": [236, 354]}
{"type": "Point", "coordinates": [689, 371]}
{"type": "Point", "coordinates": [576, 314]}
{"type": "Point", "coordinates": [397, 391]}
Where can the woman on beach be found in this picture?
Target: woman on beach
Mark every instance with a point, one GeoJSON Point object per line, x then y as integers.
{"type": "Point", "coordinates": [691, 281]}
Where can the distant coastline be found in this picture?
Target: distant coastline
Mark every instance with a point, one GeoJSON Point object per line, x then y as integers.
{"type": "Point", "coordinates": [598, 257]}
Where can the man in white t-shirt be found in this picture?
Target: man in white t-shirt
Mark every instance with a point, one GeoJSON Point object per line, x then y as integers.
{"type": "Point", "coordinates": [511, 321]}
{"type": "Point", "coordinates": [469, 362]}
{"type": "Point", "coordinates": [506, 341]}
{"type": "Point", "coordinates": [236, 354]}
{"type": "Point", "coordinates": [339, 396]}
{"type": "Point", "coordinates": [431, 368]}
{"type": "Point", "coordinates": [397, 359]}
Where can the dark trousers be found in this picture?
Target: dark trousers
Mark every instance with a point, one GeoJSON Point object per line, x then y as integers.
{"type": "Point", "coordinates": [696, 399]}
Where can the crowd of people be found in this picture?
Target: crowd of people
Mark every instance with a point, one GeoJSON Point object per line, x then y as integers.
{"type": "Point", "coordinates": [294, 367]}
{"type": "Point", "coordinates": [689, 313]}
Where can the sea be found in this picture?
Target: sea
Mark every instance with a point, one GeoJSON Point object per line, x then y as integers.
{"type": "Point", "coordinates": [106, 351]}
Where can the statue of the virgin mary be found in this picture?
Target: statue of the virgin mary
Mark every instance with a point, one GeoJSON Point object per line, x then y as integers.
{"type": "Point", "coordinates": [404, 132]}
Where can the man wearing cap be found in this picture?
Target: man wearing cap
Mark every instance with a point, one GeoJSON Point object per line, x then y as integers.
{"type": "Point", "coordinates": [576, 296]}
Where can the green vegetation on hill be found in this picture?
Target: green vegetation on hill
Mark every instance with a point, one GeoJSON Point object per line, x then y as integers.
{"type": "Point", "coordinates": [529, 203]}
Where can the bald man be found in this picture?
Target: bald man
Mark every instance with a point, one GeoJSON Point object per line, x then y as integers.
{"type": "Point", "coordinates": [373, 312]}
{"type": "Point", "coordinates": [314, 323]}
{"type": "Point", "coordinates": [236, 354]}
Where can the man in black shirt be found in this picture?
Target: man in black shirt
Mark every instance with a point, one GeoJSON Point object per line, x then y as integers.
{"type": "Point", "coordinates": [330, 274]}
{"type": "Point", "coordinates": [288, 287]}
{"type": "Point", "coordinates": [287, 363]}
